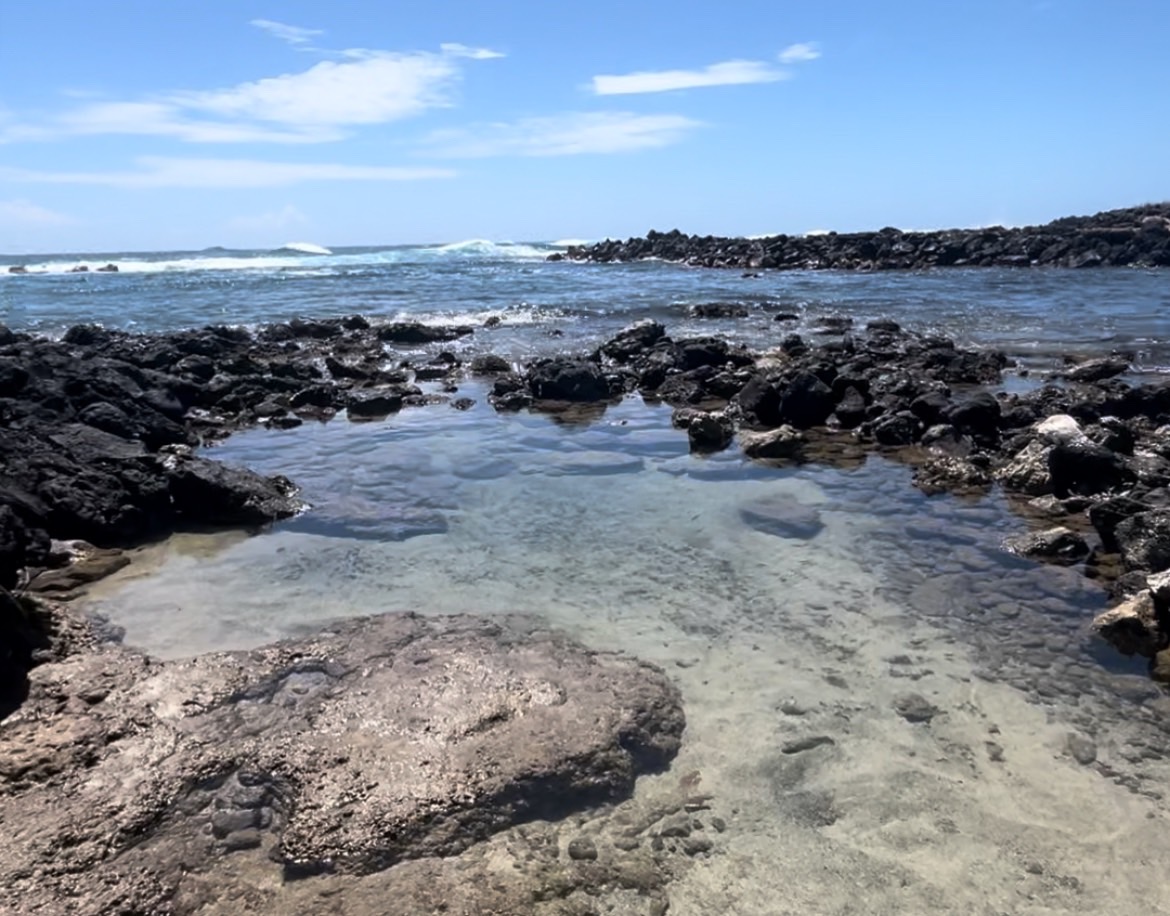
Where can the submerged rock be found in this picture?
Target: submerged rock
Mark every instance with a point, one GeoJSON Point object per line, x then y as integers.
{"type": "Point", "coordinates": [783, 516]}
{"type": "Point", "coordinates": [1055, 545]}
{"type": "Point", "coordinates": [380, 740]}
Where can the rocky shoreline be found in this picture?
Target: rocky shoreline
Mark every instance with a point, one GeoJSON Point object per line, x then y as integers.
{"type": "Point", "coordinates": [1137, 237]}
{"type": "Point", "coordinates": [99, 436]}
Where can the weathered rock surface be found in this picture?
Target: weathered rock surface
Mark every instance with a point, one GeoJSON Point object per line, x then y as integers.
{"type": "Point", "coordinates": [1054, 545]}
{"type": "Point", "coordinates": [129, 785]}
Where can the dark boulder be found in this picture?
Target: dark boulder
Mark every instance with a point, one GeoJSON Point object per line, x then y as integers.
{"type": "Point", "coordinates": [759, 403]}
{"type": "Point", "coordinates": [850, 410]}
{"type": "Point", "coordinates": [806, 402]}
{"type": "Point", "coordinates": [1081, 467]}
{"type": "Point", "coordinates": [1144, 540]}
{"type": "Point", "coordinates": [718, 310]}
{"type": "Point", "coordinates": [489, 364]}
{"type": "Point", "coordinates": [208, 493]}
{"type": "Point", "coordinates": [567, 379]}
{"type": "Point", "coordinates": [977, 415]}
{"type": "Point", "coordinates": [373, 406]}
{"type": "Point", "coordinates": [896, 429]}
{"type": "Point", "coordinates": [632, 340]}
{"type": "Point", "coordinates": [1107, 514]}
{"type": "Point", "coordinates": [709, 432]}
{"type": "Point", "coordinates": [413, 332]}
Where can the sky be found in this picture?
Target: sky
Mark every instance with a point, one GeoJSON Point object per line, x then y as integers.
{"type": "Point", "coordinates": [135, 125]}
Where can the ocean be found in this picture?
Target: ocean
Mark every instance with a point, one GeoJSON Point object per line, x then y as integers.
{"type": "Point", "coordinates": [603, 524]}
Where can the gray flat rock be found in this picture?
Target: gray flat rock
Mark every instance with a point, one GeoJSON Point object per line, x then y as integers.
{"type": "Point", "coordinates": [129, 785]}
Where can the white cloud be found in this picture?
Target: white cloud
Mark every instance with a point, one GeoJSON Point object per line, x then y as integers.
{"type": "Point", "coordinates": [567, 134]}
{"type": "Point", "coordinates": [457, 50]}
{"type": "Point", "coordinates": [727, 73]}
{"type": "Point", "coordinates": [24, 214]}
{"type": "Point", "coordinates": [286, 217]}
{"type": "Point", "coordinates": [293, 34]}
{"type": "Point", "coordinates": [323, 103]}
{"type": "Point", "coordinates": [164, 172]}
{"type": "Point", "coordinates": [800, 53]}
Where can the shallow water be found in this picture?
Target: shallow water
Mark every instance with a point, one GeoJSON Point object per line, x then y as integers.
{"type": "Point", "coordinates": [854, 590]}
{"type": "Point", "coordinates": [858, 590]}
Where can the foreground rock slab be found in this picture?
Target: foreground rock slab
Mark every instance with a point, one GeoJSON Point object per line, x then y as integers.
{"type": "Point", "coordinates": [129, 785]}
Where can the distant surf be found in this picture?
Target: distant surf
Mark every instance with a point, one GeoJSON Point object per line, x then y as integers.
{"type": "Point", "coordinates": [303, 248]}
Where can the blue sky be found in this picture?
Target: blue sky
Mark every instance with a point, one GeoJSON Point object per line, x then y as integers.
{"type": "Point", "coordinates": [152, 125]}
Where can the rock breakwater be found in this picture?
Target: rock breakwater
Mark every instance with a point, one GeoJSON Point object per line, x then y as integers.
{"type": "Point", "coordinates": [1139, 236]}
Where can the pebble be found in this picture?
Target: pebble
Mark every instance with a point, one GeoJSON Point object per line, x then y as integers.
{"type": "Point", "coordinates": [582, 849]}
{"type": "Point", "coordinates": [805, 744]}
{"type": "Point", "coordinates": [914, 707]}
{"type": "Point", "coordinates": [1083, 750]}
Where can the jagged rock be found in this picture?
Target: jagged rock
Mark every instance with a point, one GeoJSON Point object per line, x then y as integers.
{"type": "Point", "coordinates": [806, 402]}
{"type": "Point", "coordinates": [709, 432]}
{"type": "Point", "coordinates": [379, 741]}
{"type": "Point", "coordinates": [759, 403]}
{"type": "Point", "coordinates": [978, 415]}
{"type": "Point", "coordinates": [1137, 626]}
{"type": "Point", "coordinates": [1027, 471]}
{"type": "Point", "coordinates": [632, 340]}
{"type": "Point", "coordinates": [718, 310]}
{"type": "Point", "coordinates": [782, 443]}
{"type": "Point", "coordinates": [489, 364]}
{"type": "Point", "coordinates": [1055, 545]}
{"type": "Point", "coordinates": [567, 379]}
{"type": "Point", "coordinates": [413, 332]}
{"type": "Point", "coordinates": [944, 474]}
{"type": "Point", "coordinates": [1085, 468]}
{"type": "Point", "coordinates": [1144, 540]}
{"type": "Point", "coordinates": [1107, 514]}
{"type": "Point", "coordinates": [850, 410]}
{"type": "Point", "coordinates": [375, 406]}
{"type": "Point", "coordinates": [206, 492]}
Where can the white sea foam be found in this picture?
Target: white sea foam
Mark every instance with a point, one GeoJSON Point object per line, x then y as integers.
{"type": "Point", "coordinates": [570, 243]}
{"type": "Point", "coordinates": [304, 248]}
{"type": "Point", "coordinates": [488, 248]}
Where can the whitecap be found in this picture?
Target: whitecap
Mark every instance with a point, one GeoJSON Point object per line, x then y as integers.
{"type": "Point", "coordinates": [304, 248]}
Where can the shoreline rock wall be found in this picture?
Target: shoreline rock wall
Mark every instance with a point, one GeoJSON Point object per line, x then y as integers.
{"type": "Point", "coordinates": [1139, 236]}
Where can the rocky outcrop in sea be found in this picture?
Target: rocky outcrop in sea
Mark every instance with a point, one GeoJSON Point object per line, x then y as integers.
{"type": "Point", "coordinates": [1139, 236]}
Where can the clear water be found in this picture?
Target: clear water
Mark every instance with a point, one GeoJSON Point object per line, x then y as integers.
{"type": "Point", "coordinates": [608, 528]}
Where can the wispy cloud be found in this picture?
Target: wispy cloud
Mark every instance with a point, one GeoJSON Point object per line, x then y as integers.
{"type": "Point", "coordinates": [800, 53]}
{"type": "Point", "coordinates": [164, 172]}
{"type": "Point", "coordinates": [569, 134]}
{"type": "Point", "coordinates": [323, 103]}
{"type": "Point", "coordinates": [287, 217]}
{"type": "Point", "coordinates": [457, 50]}
{"type": "Point", "coordinates": [727, 73]}
{"type": "Point", "coordinates": [294, 35]}
{"type": "Point", "coordinates": [24, 214]}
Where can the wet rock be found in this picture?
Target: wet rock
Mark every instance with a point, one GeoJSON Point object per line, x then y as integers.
{"type": "Point", "coordinates": [806, 402]}
{"type": "Point", "coordinates": [914, 707]}
{"type": "Point", "coordinates": [977, 415]}
{"type": "Point", "coordinates": [759, 403]}
{"type": "Point", "coordinates": [718, 310]}
{"type": "Point", "coordinates": [783, 443]}
{"type": "Point", "coordinates": [1107, 514]}
{"type": "Point", "coordinates": [208, 493]}
{"type": "Point", "coordinates": [632, 340]}
{"type": "Point", "coordinates": [1096, 370]}
{"type": "Point", "coordinates": [413, 332]}
{"type": "Point", "coordinates": [382, 741]}
{"type": "Point", "coordinates": [1055, 545]}
{"type": "Point", "coordinates": [783, 516]}
{"type": "Point", "coordinates": [1085, 468]}
{"type": "Point", "coordinates": [709, 432]}
{"type": "Point", "coordinates": [1027, 471]}
{"type": "Point", "coordinates": [567, 379]}
{"type": "Point", "coordinates": [1136, 626]}
{"type": "Point", "coordinates": [376, 406]}
{"type": "Point", "coordinates": [86, 564]}
{"type": "Point", "coordinates": [1144, 540]}
{"type": "Point", "coordinates": [489, 364]}
{"type": "Point", "coordinates": [850, 410]}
